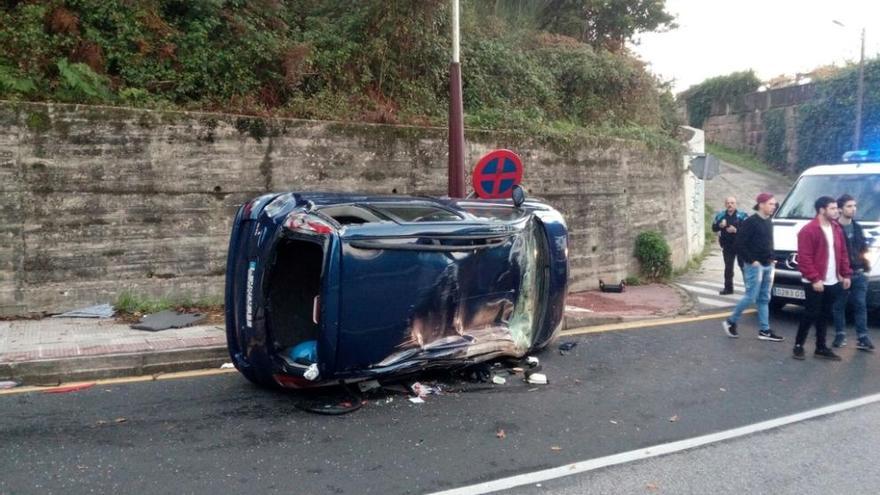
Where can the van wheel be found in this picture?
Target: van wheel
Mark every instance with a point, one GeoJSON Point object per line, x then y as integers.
{"type": "Point", "coordinates": [776, 304]}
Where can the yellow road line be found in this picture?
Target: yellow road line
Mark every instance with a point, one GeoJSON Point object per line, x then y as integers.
{"type": "Point", "coordinates": [629, 325]}
{"type": "Point", "coordinates": [634, 325]}
{"type": "Point", "coordinates": [124, 379]}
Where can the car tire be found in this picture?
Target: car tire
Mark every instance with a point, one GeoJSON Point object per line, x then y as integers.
{"type": "Point", "coordinates": [776, 304]}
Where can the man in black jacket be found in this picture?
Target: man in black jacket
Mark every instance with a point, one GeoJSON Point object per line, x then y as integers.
{"type": "Point", "coordinates": [856, 247]}
{"type": "Point", "coordinates": [727, 223]}
{"type": "Point", "coordinates": [754, 245]}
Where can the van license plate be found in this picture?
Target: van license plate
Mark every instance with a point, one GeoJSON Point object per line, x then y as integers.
{"type": "Point", "coordinates": [789, 293]}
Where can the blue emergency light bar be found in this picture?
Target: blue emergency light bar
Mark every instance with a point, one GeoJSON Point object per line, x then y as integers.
{"type": "Point", "coordinates": [859, 156]}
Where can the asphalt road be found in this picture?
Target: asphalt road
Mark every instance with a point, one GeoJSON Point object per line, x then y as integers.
{"type": "Point", "coordinates": [615, 392]}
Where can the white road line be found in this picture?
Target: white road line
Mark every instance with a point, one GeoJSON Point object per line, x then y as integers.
{"type": "Point", "coordinates": [709, 292]}
{"type": "Point", "coordinates": [715, 302]}
{"type": "Point", "coordinates": [655, 451]}
{"type": "Point", "coordinates": [718, 285]}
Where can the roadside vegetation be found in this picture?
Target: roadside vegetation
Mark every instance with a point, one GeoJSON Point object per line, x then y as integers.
{"type": "Point", "coordinates": [654, 255]}
{"type": "Point", "coordinates": [130, 306]}
{"type": "Point", "coordinates": [740, 158]}
{"type": "Point", "coordinates": [824, 124]}
{"type": "Point", "coordinates": [551, 67]}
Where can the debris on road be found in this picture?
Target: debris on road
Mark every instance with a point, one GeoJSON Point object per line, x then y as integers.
{"type": "Point", "coordinates": [566, 347]}
{"type": "Point", "coordinates": [5, 384]}
{"type": "Point", "coordinates": [556, 448]}
{"type": "Point", "coordinates": [417, 400]}
{"type": "Point", "coordinates": [537, 378]}
{"type": "Point", "coordinates": [164, 320]}
{"type": "Point", "coordinates": [422, 390]}
{"type": "Point", "coordinates": [498, 380]}
{"type": "Point", "coordinates": [673, 419]}
{"type": "Point", "coordinates": [603, 287]}
{"type": "Point", "coordinates": [226, 366]}
{"type": "Point", "coordinates": [97, 311]}
{"type": "Point", "coordinates": [533, 361]}
{"type": "Point", "coordinates": [500, 434]}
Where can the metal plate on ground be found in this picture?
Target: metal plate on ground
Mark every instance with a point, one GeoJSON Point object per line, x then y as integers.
{"type": "Point", "coordinates": [164, 320]}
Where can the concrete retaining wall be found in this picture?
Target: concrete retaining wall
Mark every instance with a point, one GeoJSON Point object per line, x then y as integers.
{"type": "Point", "coordinates": [97, 200]}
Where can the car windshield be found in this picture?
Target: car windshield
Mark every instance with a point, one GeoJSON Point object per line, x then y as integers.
{"type": "Point", "coordinates": [864, 187]}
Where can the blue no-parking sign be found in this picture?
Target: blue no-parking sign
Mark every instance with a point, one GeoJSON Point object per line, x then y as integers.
{"type": "Point", "coordinates": [496, 174]}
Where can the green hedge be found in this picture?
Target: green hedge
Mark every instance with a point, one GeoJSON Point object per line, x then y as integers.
{"type": "Point", "coordinates": [370, 60]}
{"type": "Point", "coordinates": [721, 89]}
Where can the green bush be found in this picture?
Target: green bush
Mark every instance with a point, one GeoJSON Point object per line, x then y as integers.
{"type": "Point", "coordinates": [775, 151]}
{"type": "Point", "coordinates": [369, 60]}
{"type": "Point", "coordinates": [654, 255]}
{"type": "Point", "coordinates": [722, 89]}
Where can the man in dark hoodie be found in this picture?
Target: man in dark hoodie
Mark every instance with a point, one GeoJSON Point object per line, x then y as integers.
{"type": "Point", "coordinates": [856, 247]}
{"type": "Point", "coordinates": [754, 246]}
{"type": "Point", "coordinates": [825, 271]}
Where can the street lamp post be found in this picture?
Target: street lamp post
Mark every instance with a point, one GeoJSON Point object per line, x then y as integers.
{"type": "Point", "coordinates": [860, 92]}
{"type": "Point", "coordinates": [456, 115]}
{"type": "Point", "coordinates": [860, 97]}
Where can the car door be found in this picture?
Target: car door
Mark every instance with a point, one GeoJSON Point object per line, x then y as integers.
{"type": "Point", "coordinates": [433, 283]}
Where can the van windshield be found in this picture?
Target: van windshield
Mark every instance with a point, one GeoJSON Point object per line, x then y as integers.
{"type": "Point", "coordinates": [864, 187]}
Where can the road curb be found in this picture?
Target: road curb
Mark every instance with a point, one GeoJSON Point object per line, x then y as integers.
{"type": "Point", "coordinates": [50, 372]}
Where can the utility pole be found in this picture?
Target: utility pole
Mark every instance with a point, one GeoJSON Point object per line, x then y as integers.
{"type": "Point", "coordinates": [456, 115]}
{"type": "Point", "coordinates": [860, 97]}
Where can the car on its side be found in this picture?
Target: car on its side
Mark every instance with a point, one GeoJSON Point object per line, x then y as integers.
{"type": "Point", "coordinates": [323, 288]}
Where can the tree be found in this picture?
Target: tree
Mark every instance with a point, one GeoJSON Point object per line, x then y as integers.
{"type": "Point", "coordinates": [605, 23]}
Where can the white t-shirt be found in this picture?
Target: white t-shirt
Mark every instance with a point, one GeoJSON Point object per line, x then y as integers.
{"type": "Point", "coordinates": [831, 269]}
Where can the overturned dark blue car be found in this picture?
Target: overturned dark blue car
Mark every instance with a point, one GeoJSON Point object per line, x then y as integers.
{"type": "Point", "coordinates": [330, 288]}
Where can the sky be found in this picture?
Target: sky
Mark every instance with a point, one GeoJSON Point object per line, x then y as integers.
{"type": "Point", "coordinates": [772, 37]}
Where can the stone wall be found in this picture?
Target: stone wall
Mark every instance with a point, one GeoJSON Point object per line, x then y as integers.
{"type": "Point", "coordinates": [98, 200]}
{"type": "Point", "coordinates": [741, 126]}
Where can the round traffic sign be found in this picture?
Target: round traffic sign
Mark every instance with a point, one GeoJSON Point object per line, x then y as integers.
{"type": "Point", "coordinates": [496, 173]}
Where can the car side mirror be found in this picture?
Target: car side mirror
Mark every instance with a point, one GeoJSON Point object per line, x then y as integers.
{"type": "Point", "coordinates": [519, 195]}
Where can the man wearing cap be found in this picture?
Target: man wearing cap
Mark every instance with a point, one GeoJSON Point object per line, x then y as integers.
{"type": "Point", "coordinates": [726, 223]}
{"type": "Point", "coordinates": [754, 246]}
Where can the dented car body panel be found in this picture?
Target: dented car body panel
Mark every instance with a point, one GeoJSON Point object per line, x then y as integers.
{"type": "Point", "coordinates": [324, 287]}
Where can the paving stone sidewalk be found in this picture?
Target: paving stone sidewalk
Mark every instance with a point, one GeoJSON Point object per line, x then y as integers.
{"type": "Point", "coordinates": [51, 351]}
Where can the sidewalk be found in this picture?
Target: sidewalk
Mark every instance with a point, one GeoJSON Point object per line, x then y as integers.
{"type": "Point", "coordinates": [51, 351]}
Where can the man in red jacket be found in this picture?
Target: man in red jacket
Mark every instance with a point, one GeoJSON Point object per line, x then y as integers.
{"type": "Point", "coordinates": [824, 265]}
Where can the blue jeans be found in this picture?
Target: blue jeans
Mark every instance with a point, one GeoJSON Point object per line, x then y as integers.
{"type": "Point", "coordinates": [856, 295]}
{"type": "Point", "coordinates": [758, 280]}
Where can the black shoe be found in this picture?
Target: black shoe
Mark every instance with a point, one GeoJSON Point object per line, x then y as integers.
{"type": "Point", "coordinates": [826, 353]}
{"type": "Point", "coordinates": [839, 340]}
{"type": "Point", "coordinates": [725, 292]}
{"type": "Point", "coordinates": [865, 344]}
{"type": "Point", "coordinates": [769, 335]}
{"type": "Point", "coordinates": [798, 352]}
{"type": "Point", "coordinates": [730, 329]}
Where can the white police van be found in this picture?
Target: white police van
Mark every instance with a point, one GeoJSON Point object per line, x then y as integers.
{"type": "Point", "coordinates": [858, 176]}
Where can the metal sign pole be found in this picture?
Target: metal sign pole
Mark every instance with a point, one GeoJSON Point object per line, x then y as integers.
{"type": "Point", "coordinates": [456, 114]}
